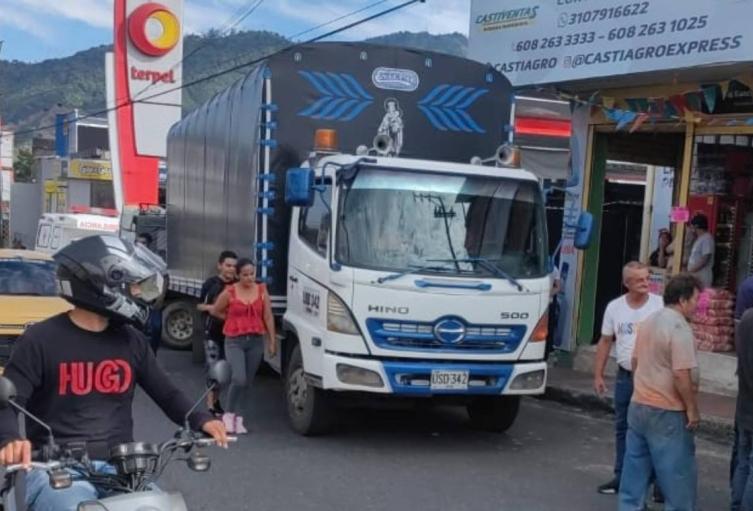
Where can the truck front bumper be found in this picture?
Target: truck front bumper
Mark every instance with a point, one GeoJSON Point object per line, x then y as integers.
{"type": "Point", "coordinates": [406, 377]}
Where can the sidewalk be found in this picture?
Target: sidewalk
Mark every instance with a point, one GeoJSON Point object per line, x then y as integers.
{"type": "Point", "coordinates": [576, 388]}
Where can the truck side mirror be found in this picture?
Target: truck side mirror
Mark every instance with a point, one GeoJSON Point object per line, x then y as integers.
{"type": "Point", "coordinates": [584, 230]}
{"type": "Point", "coordinates": [299, 188]}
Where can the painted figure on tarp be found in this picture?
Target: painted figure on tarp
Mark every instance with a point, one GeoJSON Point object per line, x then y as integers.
{"type": "Point", "coordinates": [392, 125]}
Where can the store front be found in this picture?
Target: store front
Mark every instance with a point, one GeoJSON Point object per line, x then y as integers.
{"type": "Point", "coordinates": [662, 129]}
{"type": "Point", "coordinates": [700, 164]}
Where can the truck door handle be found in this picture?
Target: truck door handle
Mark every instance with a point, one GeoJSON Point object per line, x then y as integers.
{"type": "Point", "coordinates": [293, 279]}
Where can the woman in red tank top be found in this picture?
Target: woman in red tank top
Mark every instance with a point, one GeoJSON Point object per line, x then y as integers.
{"type": "Point", "coordinates": [249, 326]}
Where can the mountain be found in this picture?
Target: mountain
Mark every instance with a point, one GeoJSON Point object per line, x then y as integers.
{"type": "Point", "coordinates": [32, 93]}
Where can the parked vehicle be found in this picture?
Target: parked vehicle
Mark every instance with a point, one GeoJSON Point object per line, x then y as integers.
{"type": "Point", "coordinates": [56, 230]}
{"type": "Point", "coordinates": [414, 263]}
{"type": "Point", "coordinates": [28, 294]}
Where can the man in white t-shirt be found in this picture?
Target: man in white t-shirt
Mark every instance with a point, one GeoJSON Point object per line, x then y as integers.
{"type": "Point", "coordinates": [619, 328]}
{"type": "Point", "coordinates": [701, 261]}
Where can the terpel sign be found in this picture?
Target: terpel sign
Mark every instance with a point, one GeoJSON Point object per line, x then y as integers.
{"type": "Point", "coordinates": [154, 30]}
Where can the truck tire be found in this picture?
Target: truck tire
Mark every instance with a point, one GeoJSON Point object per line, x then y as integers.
{"type": "Point", "coordinates": [178, 320]}
{"type": "Point", "coordinates": [309, 408]}
{"type": "Point", "coordinates": [494, 413]}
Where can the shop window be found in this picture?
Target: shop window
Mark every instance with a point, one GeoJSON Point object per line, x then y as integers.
{"type": "Point", "coordinates": [102, 195]}
{"type": "Point", "coordinates": [720, 189]}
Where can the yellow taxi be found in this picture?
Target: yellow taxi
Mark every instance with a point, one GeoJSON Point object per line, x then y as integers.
{"type": "Point", "coordinates": [28, 294]}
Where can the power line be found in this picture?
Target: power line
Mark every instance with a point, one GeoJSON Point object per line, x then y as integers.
{"type": "Point", "coordinates": [238, 67]}
{"type": "Point", "coordinates": [352, 13]}
{"type": "Point", "coordinates": [292, 37]}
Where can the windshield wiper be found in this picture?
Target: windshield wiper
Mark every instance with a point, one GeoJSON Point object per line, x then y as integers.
{"type": "Point", "coordinates": [487, 265]}
{"type": "Point", "coordinates": [416, 269]}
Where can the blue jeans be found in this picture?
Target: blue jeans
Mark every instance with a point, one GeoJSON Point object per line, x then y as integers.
{"type": "Point", "coordinates": [623, 393]}
{"type": "Point", "coordinates": [742, 479]}
{"type": "Point", "coordinates": [658, 439]}
{"type": "Point", "coordinates": [40, 496]}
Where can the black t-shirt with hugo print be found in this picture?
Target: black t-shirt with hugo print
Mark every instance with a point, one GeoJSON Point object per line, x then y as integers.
{"type": "Point", "coordinates": [82, 384]}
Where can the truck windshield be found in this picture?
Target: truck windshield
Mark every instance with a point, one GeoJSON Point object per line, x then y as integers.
{"type": "Point", "coordinates": [473, 225]}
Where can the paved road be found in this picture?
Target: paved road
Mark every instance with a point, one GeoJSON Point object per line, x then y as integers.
{"type": "Point", "coordinates": [552, 459]}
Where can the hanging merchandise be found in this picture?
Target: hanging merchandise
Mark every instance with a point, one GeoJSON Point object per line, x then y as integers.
{"type": "Point", "coordinates": [714, 323]}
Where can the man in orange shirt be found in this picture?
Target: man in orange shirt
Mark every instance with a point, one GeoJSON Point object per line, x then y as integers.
{"type": "Point", "coordinates": [663, 412]}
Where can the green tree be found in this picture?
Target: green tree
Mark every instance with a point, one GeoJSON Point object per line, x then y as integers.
{"type": "Point", "coordinates": [23, 165]}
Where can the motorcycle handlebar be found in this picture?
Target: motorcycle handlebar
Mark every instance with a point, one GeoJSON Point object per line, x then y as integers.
{"type": "Point", "coordinates": [51, 465]}
{"type": "Point", "coordinates": [206, 442]}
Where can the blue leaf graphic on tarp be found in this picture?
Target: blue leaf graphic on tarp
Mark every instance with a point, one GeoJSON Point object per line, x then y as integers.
{"type": "Point", "coordinates": [341, 97]}
{"type": "Point", "coordinates": [446, 105]}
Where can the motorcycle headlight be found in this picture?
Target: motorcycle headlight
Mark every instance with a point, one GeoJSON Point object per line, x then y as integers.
{"type": "Point", "coordinates": [339, 318]}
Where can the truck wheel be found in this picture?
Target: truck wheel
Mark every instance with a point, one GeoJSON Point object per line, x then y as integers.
{"type": "Point", "coordinates": [494, 413]}
{"type": "Point", "coordinates": [178, 320]}
{"type": "Point", "coordinates": [309, 408]}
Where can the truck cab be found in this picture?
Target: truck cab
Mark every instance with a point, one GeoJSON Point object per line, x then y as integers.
{"type": "Point", "coordinates": [418, 279]}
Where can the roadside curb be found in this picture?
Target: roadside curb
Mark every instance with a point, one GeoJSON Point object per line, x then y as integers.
{"type": "Point", "coordinates": [714, 428]}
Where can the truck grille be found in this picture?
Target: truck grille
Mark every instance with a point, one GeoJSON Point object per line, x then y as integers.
{"type": "Point", "coordinates": [412, 335]}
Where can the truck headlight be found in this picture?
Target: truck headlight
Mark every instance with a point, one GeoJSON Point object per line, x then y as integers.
{"type": "Point", "coordinates": [529, 381]}
{"type": "Point", "coordinates": [339, 318]}
{"type": "Point", "coordinates": [353, 375]}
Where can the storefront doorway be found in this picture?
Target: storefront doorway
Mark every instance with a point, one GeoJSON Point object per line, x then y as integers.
{"type": "Point", "coordinates": [632, 188]}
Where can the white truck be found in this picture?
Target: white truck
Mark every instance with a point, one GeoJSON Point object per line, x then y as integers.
{"type": "Point", "coordinates": [392, 274]}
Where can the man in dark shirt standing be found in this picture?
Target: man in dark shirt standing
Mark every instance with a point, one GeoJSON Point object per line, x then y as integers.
{"type": "Point", "coordinates": [214, 339]}
{"type": "Point", "coordinates": [742, 483]}
{"type": "Point", "coordinates": [78, 371]}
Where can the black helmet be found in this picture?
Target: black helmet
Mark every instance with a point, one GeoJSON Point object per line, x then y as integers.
{"type": "Point", "coordinates": [111, 277]}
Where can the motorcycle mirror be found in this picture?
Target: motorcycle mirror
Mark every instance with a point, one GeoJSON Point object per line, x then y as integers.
{"type": "Point", "coordinates": [199, 462]}
{"type": "Point", "coordinates": [219, 374]}
{"type": "Point", "coordinates": [7, 391]}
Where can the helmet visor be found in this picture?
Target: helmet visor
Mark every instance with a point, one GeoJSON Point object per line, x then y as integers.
{"type": "Point", "coordinates": [149, 290]}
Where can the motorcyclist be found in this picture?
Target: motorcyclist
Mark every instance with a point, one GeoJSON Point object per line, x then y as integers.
{"type": "Point", "coordinates": [77, 371]}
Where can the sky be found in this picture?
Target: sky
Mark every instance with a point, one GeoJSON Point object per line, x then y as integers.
{"type": "Point", "coordinates": [35, 30]}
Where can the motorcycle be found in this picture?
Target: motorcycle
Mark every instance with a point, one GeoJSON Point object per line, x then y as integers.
{"type": "Point", "coordinates": [137, 465]}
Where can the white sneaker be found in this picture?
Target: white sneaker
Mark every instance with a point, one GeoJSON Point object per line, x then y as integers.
{"type": "Point", "coordinates": [239, 427]}
{"type": "Point", "coordinates": [229, 420]}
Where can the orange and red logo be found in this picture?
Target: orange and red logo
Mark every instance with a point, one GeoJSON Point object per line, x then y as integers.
{"type": "Point", "coordinates": [154, 29]}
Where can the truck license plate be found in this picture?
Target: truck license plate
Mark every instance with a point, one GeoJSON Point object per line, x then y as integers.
{"type": "Point", "coordinates": [449, 380]}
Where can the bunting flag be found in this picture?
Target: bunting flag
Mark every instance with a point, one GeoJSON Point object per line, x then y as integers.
{"type": "Point", "coordinates": [626, 118]}
{"type": "Point", "coordinates": [693, 100]}
{"type": "Point", "coordinates": [679, 104]}
{"type": "Point", "coordinates": [656, 106]}
{"type": "Point", "coordinates": [689, 107]}
{"type": "Point", "coordinates": [725, 88]}
{"type": "Point", "coordinates": [709, 96]}
{"type": "Point", "coordinates": [642, 117]}
{"type": "Point", "coordinates": [670, 109]}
